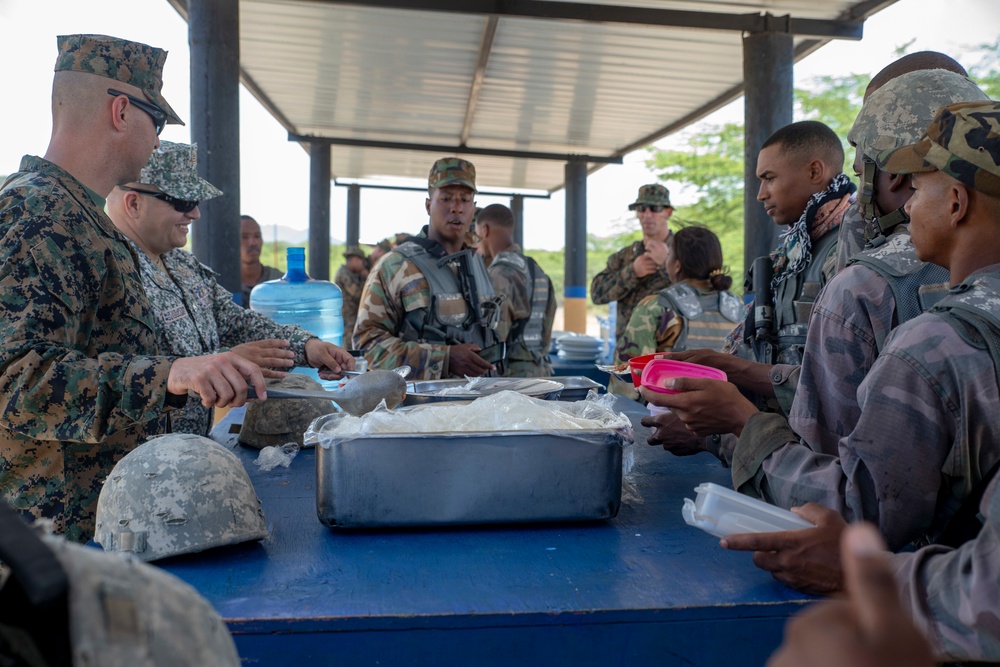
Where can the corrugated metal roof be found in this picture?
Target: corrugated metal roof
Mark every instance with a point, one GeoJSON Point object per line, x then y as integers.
{"type": "Point", "coordinates": [350, 71]}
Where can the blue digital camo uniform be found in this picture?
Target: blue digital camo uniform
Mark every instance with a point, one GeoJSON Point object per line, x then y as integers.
{"type": "Point", "coordinates": [195, 315]}
{"type": "Point", "coordinates": [81, 384]}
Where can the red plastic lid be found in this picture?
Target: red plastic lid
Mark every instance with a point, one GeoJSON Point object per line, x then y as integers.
{"type": "Point", "coordinates": [658, 371]}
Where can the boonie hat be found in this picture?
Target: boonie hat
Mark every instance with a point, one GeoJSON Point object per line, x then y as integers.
{"type": "Point", "coordinates": [133, 63]}
{"type": "Point", "coordinates": [353, 250]}
{"type": "Point", "coordinates": [653, 194]}
{"type": "Point", "coordinates": [173, 169]}
{"type": "Point", "coordinates": [963, 141]}
{"type": "Point", "coordinates": [897, 114]}
{"type": "Point", "coordinates": [452, 171]}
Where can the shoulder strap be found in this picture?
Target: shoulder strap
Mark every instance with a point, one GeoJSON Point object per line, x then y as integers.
{"type": "Point", "coordinates": [35, 596]}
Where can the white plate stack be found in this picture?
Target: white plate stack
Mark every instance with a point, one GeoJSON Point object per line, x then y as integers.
{"type": "Point", "coordinates": [578, 347]}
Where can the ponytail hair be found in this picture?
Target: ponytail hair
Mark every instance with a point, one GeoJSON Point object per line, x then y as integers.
{"type": "Point", "coordinates": [699, 252]}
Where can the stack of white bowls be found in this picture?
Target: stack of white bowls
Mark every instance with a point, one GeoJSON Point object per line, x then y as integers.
{"type": "Point", "coordinates": [578, 347]}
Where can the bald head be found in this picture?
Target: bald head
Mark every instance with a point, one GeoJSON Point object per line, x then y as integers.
{"type": "Point", "coordinates": [913, 62]}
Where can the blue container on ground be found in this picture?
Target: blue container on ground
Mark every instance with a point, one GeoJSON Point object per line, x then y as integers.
{"type": "Point", "coordinates": [314, 305]}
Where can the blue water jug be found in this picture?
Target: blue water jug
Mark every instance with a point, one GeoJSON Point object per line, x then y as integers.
{"type": "Point", "coordinates": [314, 305]}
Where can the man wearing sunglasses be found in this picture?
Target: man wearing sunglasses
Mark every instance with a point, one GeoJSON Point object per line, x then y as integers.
{"type": "Point", "coordinates": [640, 269]}
{"type": "Point", "coordinates": [82, 380]}
{"type": "Point", "coordinates": [195, 315]}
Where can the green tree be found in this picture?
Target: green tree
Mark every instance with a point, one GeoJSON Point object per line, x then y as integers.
{"type": "Point", "coordinates": [986, 70]}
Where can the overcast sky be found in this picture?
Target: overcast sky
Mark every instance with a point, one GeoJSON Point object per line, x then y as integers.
{"type": "Point", "coordinates": [275, 173]}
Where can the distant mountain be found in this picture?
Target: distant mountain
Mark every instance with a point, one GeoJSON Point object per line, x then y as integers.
{"type": "Point", "coordinates": [289, 235]}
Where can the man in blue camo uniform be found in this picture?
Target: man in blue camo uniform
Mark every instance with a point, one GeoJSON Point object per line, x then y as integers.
{"type": "Point", "coordinates": [82, 381]}
{"type": "Point", "coordinates": [195, 315]}
{"type": "Point", "coordinates": [928, 429]}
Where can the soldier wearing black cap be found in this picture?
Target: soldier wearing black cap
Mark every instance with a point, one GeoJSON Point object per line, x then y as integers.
{"type": "Point", "coordinates": [82, 383]}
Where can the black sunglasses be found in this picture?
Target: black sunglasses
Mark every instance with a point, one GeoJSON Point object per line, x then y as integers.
{"type": "Point", "coordinates": [655, 208]}
{"type": "Point", "coordinates": [158, 115]}
{"type": "Point", "coordinates": [180, 205]}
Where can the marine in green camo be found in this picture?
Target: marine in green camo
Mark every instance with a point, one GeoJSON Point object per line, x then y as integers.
{"type": "Point", "coordinates": [81, 382]}
{"type": "Point", "coordinates": [619, 280]}
{"type": "Point", "coordinates": [80, 385]}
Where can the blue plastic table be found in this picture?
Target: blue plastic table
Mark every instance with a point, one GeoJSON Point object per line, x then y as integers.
{"type": "Point", "coordinates": [641, 589]}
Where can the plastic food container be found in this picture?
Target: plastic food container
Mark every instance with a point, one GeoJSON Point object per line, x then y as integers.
{"type": "Point", "coordinates": [721, 512]}
{"type": "Point", "coordinates": [637, 364]}
{"type": "Point", "coordinates": [658, 371]}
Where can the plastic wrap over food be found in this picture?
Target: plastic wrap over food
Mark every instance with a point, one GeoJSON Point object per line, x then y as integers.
{"type": "Point", "coordinates": [503, 411]}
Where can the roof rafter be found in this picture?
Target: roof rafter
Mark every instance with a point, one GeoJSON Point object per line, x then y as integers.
{"type": "Point", "coordinates": [581, 11]}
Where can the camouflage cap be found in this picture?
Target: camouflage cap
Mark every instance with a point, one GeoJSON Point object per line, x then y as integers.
{"type": "Point", "coordinates": [385, 244]}
{"type": "Point", "coordinates": [452, 171]}
{"type": "Point", "coordinates": [653, 194]}
{"type": "Point", "coordinates": [355, 251]}
{"type": "Point", "coordinates": [897, 114]}
{"type": "Point", "coordinates": [133, 63]}
{"type": "Point", "coordinates": [173, 169]}
{"type": "Point", "coordinates": [963, 141]}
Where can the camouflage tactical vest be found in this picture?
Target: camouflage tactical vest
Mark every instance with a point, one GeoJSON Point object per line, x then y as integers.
{"type": "Point", "coordinates": [916, 286]}
{"type": "Point", "coordinates": [463, 306]}
{"type": "Point", "coordinates": [972, 308]}
{"type": "Point", "coordinates": [794, 299]}
{"type": "Point", "coordinates": [708, 317]}
{"type": "Point", "coordinates": [528, 331]}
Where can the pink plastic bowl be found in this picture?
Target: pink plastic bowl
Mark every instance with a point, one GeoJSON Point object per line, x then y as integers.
{"type": "Point", "coordinates": [658, 371]}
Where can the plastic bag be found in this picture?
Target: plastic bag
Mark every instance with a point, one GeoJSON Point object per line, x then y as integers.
{"type": "Point", "coordinates": [273, 456]}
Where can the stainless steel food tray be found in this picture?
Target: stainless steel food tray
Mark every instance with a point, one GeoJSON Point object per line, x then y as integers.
{"type": "Point", "coordinates": [428, 391]}
{"type": "Point", "coordinates": [469, 478]}
{"type": "Point", "coordinates": [575, 387]}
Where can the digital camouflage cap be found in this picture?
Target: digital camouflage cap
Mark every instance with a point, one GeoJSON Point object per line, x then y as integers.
{"type": "Point", "coordinates": [452, 171]}
{"type": "Point", "coordinates": [963, 141]}
{"type": "Point", "coordinates": [133, 63]}
{"type": "Point", "coordinates": [173, 168]}
{"type": "Point", "coordinates": [897, 114]}
{"type": "Point", "coordinates": [653, 194]}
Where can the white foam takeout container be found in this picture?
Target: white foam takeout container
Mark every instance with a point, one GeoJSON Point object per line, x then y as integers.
{"type": "Point", "coordinates": [721, 512]}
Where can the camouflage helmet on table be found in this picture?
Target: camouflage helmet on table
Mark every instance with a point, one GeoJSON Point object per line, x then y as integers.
{"type": "Point", "coordinates": [274, 423]}
{"type": "Point", "coordinates": [177, 494]}
{"type": "Point", "coordinates": [120, 612]}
